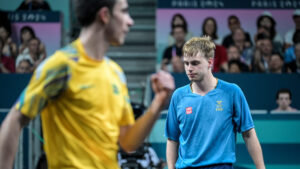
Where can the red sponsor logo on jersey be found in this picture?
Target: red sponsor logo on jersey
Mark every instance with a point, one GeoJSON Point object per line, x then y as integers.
{"type": "Point", "coordinates": [188, 110]}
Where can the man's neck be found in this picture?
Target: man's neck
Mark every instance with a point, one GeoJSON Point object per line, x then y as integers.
{"type": "Point", "coordinates": [94, 42]}
{"type": "Point", "coordinates": [204, 86]}
{"type": "Point", "coordinates": [289, 108]}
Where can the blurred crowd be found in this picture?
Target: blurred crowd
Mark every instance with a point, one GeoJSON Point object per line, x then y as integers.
{"type": "Point", "coordinates": [236, 52]}
{"type": "Point", "coordinates": [28, 52]}
{"type": "Point", "coordinates": [266, 52]}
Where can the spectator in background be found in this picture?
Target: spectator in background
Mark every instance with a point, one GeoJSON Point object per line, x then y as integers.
{"type": "Point", "coordinates": [260, 53]}
{"type": "Point", "coordinates": [257, 63]}
{"type": "Point", "coordinates": [234, 23]}
{"type": "Point", "coordinates": [294, 66]}
{"type": "Point", "coordinates": [172, 58]}
{"type": "Point", "coordinates": [35, 54]}
{"type": "Point", "coordinates": [34, 5]}
{"type": "Point", "coordinates": [266, 49]}
{"type": "Point", "coordinates": [7, 64]}
{"type": "Point", "coordinates": [210, 28]}
{"type": "Point", "coordinates": [234, 54]}
{"type": "Point", "coordinates": [284, 101]}
{"type": "Point", "coordinates": [26, 34]}
{"type": "Point", "coordinates": [276, 64]}
{"type": "Point", "coordinates": [277, 46]}
{"type": "Point", "coordinates": [24, 66]}
{"type": "Point", "coordinates": [9, 48]}
{"type": "Point", "coordinates": [288, 38]}
{"type": "Point", "coordinates": [239, 40]}
{"type": "Point", "coordinates": [268, 21]}
{"type": "Point", "coordinates": [234, 66]}
{"type": "Point", "coordinates": [179, 20]}
{"type": "Point", "coordinates": [289, 55]}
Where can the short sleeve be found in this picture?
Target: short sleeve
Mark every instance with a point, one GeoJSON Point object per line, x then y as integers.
{"type": "Point", "coordinates": [47, 82]}
{"type": "Point", "coordinates": [172, 130]}
{"type": "Point", "coordinates": [242, 115]}
{"type": "Point", "coordinates": [127, 116]}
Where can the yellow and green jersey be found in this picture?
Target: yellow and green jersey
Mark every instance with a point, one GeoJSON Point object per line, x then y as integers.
{"type": "Point", "coordinates": [83, 103]}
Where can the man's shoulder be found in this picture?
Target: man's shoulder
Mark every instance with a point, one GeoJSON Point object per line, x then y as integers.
{"type": "Point", "coordinates": [113, 64]}
{"type": "Point", "coordinates": [116, 68]}
{"type": "Point", "coordinates": [61, 58]}
{"type": "Point", "coordinates": [65, 54]}
{"type": "Point", "coordinates": [179, 92]}
{"type": "Point", "coordinates": [69, 50]}
{"type": "Point", "coordinates": [227, 86]}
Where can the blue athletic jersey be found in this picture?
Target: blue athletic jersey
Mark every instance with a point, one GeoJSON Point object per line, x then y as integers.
{"type": "Point", "coordinates": [206, 126]}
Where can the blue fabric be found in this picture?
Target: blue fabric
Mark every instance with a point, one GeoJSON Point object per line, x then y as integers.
{"type": "Point", "coordinates": [206, 126]}
{"type": "Point", "coordinates": [218, 166]}
{"type": "Point", "coordinates": [289, 55]}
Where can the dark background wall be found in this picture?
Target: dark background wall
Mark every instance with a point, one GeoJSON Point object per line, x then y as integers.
{"type": "Point", "coordinates": [259, 89]}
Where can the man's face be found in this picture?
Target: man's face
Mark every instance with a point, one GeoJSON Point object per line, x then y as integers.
{"type": "Point", "coordinates": [284, 101]}
{"type": "Point", "coordinates": [24, 67]}
{"type": "Point", "coordinates": [33, 46]}
{"type": "Point", "coordinates": [266, 22]}
{"type": "Point", "coordinates": [275, 63]}
{"type": "Point", "coordinates": [234, 68]}
{"type": "Point", "coordinates": [178, 34]}
{"type": "Point", "coordinates": [238, 35]}
{"type": "Point", "coordinates": [197, 66]}
{"type": "Point", "coordinates": [233, 53]}
{"type": "Point", "coordinates": [233, 24]}
{"type": "Point", "coordinates": [119, 24]}
{"type": "Point", "coordinates": [266, 47]}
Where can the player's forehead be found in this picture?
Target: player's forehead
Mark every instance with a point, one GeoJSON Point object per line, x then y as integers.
{"type": "Point", "coordinates": [193, 56]}
{"type": "Point", "coordinates": [284, 95]}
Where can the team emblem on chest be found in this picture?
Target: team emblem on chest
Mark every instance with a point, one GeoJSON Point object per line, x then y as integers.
{"type": "Point", "coordinates": [219, 106]}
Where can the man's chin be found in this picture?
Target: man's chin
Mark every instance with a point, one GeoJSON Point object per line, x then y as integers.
{"type": "Point", "coordinates": [116, 44]}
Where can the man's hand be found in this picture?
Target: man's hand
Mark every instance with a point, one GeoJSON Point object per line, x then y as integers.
{"type": "Point", "coordinates": [162, 85]}
{"type": "Point", "coordinates": [132, 136]}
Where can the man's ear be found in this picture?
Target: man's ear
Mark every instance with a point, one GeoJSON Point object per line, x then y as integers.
{"type": "Point", "coordinates": [211, 62]}
{"type": "Point", "coordinates": [103, 15]}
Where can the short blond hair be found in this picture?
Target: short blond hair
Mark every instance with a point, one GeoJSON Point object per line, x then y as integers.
{"type": "Point", "coordinates": [202, 44]}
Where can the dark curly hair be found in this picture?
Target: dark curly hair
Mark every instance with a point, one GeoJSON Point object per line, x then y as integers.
{"type": "Point", "coordinates": [86, 10]}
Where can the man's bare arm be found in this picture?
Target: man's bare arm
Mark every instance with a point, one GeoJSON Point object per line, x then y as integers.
{"type": "Point", "coordinates": [131, 137]}
{"type": "Point", "coordinates": [172, 153]}
{"type": "Point", "coordinates": [254, 148]}
{"type": "Point", "coordinates": [9, 137]}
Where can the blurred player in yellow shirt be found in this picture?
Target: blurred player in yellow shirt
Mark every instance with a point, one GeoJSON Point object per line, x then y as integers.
{"type": "Point", "coordinates": [83, 98]}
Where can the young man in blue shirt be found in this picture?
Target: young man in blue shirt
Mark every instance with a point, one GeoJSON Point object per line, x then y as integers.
{"type": "Point", "coordinates": [204, 116]}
